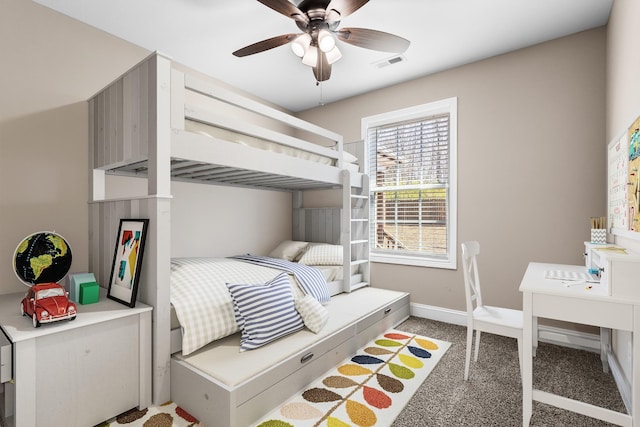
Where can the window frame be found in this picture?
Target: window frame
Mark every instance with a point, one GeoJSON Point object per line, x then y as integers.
{"type": "Point", "coordinates": [450, 106]}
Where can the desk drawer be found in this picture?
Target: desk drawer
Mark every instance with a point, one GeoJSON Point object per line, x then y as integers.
{"type": "Point", "coordinates": [6, 359]}
{"type": "Point", "coordinates": [593, 312]}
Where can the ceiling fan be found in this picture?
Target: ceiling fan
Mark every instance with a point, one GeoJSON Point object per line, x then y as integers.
{"type": "Point", "coordinates": [316, 45]}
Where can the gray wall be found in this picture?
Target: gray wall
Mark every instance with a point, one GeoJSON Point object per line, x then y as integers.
{"type": "Point", "coordinates": [51, 65]}
{"type": "Point", "coordinates": [531, 161]}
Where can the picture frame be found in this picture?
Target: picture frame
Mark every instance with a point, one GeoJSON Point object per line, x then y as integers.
{"type": "Point", "coordinates": [127, 261]}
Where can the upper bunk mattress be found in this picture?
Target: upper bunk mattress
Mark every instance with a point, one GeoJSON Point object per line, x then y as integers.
{"type": "Point", "coordinates": [349, 160]}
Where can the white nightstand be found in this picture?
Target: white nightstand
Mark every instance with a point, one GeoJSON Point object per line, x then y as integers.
{"type": "Point", "coordinates": [76, 373]}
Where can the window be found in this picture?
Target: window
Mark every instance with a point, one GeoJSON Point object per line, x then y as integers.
{"type": "Point", "coordinates": [411, 162]}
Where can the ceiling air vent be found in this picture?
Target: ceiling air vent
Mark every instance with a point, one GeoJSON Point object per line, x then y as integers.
{"type": "Point", "coordinates": [390, 61]}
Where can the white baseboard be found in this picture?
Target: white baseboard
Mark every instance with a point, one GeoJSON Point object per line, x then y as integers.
{"type": "Point", "coordinates": [440, 314]}
{"type": "Point", "coordinates": [548, 334]}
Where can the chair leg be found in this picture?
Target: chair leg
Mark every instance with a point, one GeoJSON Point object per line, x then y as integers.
{"type": "Point", "coordinates": [468, 352]}
{"type": "Point", "coordinates": [535, 336]}
{"type": "Point", "coordinates": [520, 355]}
{"type": "Point", "coordinates": [475, 359]}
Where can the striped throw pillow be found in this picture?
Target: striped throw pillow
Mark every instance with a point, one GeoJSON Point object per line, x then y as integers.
{"type": "Point", "coordinates": [266, 312]}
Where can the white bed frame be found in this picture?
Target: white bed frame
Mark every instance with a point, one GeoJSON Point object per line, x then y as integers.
{"type": "Point", "coordinates": [137, 127]}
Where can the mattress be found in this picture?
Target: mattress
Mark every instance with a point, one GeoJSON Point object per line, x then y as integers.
{"type": "Point", "coordinates": [350, 161]}
{"type": "Point", "coordinates": [223, 361]}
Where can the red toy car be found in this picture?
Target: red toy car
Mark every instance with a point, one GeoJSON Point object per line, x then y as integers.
{"type": "Point", "coordinates": [47, 302]}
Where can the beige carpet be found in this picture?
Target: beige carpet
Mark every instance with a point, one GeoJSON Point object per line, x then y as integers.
{"type": "Point", "coordinates": [493, 394]}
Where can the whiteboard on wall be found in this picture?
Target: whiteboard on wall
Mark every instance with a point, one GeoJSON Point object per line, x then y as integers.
{"type": "Point", "coordinates": [617, 172]}
{"type": "Point", "coordinates": [623, 182]}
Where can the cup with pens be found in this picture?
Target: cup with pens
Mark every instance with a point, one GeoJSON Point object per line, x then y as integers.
{"type": "Point", "coordinates": [598, 230]}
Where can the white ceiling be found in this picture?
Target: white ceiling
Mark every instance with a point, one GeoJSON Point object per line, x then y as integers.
{"type": "Point", "coordinates": [202, 34]}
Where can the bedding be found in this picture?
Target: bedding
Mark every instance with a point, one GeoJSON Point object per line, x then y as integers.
{"type": "Point", "coordinates": [204, 306]}
{"type": "Point", "coordinates": [330, 273]}
{"type": "Point", "coordinates": [201, 300]}
{"type": "Point", "coordinates": [350, 161]}
{"type": "Point", "coordinates": [310, 280]}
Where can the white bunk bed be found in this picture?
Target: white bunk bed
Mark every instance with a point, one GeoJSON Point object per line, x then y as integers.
{"type": "Point", "coordinates": [165, 122]}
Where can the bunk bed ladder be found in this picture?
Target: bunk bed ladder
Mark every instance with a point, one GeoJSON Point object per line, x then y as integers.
{"type": "Point", "coordinates": [355, 232]}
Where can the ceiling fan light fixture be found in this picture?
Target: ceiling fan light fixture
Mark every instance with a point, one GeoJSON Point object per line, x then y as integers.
{"type": "Point", "coordinates": [300, 45]}
{"type": "Point", "coordinates": [318, 22]}
{"type": "Point", "coordinates": [310, 58]}
{"type": "Point", "coordinates": [326, 42]}
{"type": "Point", "coordinates": [333, 55]}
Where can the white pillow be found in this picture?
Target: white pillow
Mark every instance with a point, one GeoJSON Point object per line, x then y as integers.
{"type": "Point", "coordinates": [314, 315]}
{"type": "Point", "coordinates": [265, 312]}
{"type": "Point", "coordinates": [322, 254]}
{"type": "Point", "coordinates": [288, 250]}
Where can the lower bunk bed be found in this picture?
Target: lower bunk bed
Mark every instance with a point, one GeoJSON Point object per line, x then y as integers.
{"type": "Point", "coordinates": [222, 385]}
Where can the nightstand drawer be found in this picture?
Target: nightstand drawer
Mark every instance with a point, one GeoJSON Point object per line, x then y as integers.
{"type": "Point", "coordinates": [6, 359]}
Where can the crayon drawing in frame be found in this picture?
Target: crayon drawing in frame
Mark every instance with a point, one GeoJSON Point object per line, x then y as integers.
{"type": "Point", "coordinates": [127, 261]}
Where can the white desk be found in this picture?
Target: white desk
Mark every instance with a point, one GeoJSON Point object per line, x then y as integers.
{"type": "Point", "coordinates": [550, 299]}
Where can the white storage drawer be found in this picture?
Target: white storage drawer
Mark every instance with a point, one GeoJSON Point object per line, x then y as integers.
{"type": "Point", "coordinates": [266, 380]}
{"type": "Point", "coordinates": [251, 410]}
{"type": "Point", "coordinates": [385, 311]}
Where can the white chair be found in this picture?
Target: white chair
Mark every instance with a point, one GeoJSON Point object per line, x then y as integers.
{"type": "Point", "coordinates": [485, 318]}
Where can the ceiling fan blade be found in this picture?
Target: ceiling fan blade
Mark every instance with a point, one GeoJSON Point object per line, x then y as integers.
{"type": "Point", "coordinates": [263, 45]}
{"type": "Point", "coordinates": [286, 8]}
{"type": "Point", "coordinates": [322, 71]}
{"type": "Point", "coordinates": [373, 39]}
{"type": "Point", "coordinates": [338, 9]}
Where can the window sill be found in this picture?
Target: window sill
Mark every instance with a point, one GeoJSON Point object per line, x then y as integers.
{"type": "Point", "coordinates": [414, 261]}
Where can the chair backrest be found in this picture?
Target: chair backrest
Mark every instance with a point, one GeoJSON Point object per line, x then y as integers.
{"type": "Point", "coordinates": [470, 251]}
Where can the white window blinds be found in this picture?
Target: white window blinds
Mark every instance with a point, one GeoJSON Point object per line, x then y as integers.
{"type": "Point", "coordinates": [409, 169]}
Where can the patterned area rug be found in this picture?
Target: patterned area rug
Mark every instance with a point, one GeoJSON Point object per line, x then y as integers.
{"type": "Point", "coordinates": [367, 389]}
{"type": "Point", "coordinates": [167, 415]}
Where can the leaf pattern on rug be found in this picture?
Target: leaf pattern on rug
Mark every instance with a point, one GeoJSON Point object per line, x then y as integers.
{"type": "Point", "coordinates": [353, 370]}
{"type": "Point", "coordinates": [376, 398]}
{"type": "Point", "coordinates": [320, 395]}
{"type": "Point", "coordinates": [364, 387]}
{"type": "Point", "coordinates": [339, 382]}
{"type": "Point", "coordinates": [410, 361]}
{"type": "Point", "coordinates": [389, 384]}
{"type": "Point", "coordinates": [360, 414]}
{"type": "Point", "coordinates": [166, 415]}
{"type": "Point", "coordinates": [300, 411]}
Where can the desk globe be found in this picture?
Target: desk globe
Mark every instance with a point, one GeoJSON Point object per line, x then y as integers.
{"type": "Point", "coordinates": [43, 257]}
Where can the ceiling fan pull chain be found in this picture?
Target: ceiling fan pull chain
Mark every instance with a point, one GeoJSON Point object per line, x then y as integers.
{"type": "Point", "coordinates": [321, 102]}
